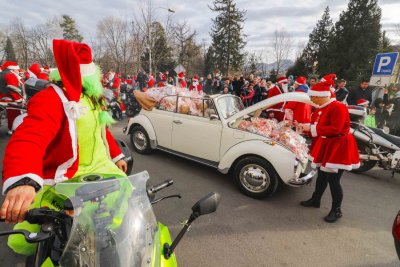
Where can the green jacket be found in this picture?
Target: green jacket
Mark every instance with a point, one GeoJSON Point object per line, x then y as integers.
{"type": "Point", "coordinates": [370, 121]}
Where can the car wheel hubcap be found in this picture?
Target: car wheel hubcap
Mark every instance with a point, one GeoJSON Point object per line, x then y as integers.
{"type": "Point", "coordinates": [254, 178]}
{"type": "Point", "coordinates": [140, 141]}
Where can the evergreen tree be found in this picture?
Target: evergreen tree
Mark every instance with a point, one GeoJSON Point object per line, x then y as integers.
{"type": "Point", "coordinates": [209, 61]}
{"type": "Point", "coordinates": [9, 51]}
{"type": "Point", "coordinates": [161, 53]}
{"type": "Point", "coordinates": [227, 36]}
{"type": "Point", "coordinates": [299, 68]}
{"type": "Point", "coordinates": [70, 32]}
{"type": "Point", "coordinates": [316, 45]}
{"type": "Point", "coordinates": [354, 42]}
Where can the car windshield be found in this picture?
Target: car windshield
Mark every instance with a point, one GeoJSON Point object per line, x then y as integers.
{"type": "Point", "coordinates": [113, 223]}
{"type": "Point", "coordinates": [230, 105]}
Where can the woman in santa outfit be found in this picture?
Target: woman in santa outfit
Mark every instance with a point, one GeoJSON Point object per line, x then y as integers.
{"type": "Point", "coordinates": [279, 88]}
{"type": "Point", "coordinates": [333, 150]}
{"type": "Point", "coordinates": [195, 85]}
{"type": "Point", "coordinates": [63, 136]}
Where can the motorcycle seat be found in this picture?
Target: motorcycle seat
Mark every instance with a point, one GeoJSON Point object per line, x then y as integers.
{"type": "Point", "coordinates": [391, 138]}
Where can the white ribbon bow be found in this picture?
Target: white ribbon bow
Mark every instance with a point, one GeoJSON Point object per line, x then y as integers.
{"type": "Point", "coordinates": [74, 109]}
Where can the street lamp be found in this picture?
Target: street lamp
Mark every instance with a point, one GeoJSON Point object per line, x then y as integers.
{"type": "Point", "coordinates": [150, 28]}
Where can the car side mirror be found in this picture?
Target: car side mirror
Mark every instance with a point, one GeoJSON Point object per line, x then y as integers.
{"type": "Point", "coordinates": [214, 117]}
{"type": "Point", "coordinates": [207, 204]}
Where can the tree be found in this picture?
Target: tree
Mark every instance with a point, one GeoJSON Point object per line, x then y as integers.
{"type": "Point", "coordinates": [227, 37]}
{"type": "Point", "coordinates": [251, 64]}
{"type": "Point", "coordinates": [9, 51]}
{"type": "Point", "coordinates": [209, 61]}
{"type": "Point", "coordinates": [40, 42]}
{"type": "Point", "coordinates": [317, 43]}
{"type": "Point", "coordinates": [354, 42]}
{"type": "Point", "coordinates": [20, 36]}
{"type": "Point", "coordinates": [162, 57]}
{"type": "Point", "coordinates": [281, 48]}
{"type": "Point", "coordinates": [70, 32]}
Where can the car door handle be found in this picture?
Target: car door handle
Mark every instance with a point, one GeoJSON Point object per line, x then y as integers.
{"type": "Point", "coordinates": [177, 122]}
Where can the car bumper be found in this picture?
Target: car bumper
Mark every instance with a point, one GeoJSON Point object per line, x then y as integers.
{"type": "Point", "coordinates": [303, 179]}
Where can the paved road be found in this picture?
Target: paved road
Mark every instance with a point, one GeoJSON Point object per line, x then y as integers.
{"type": "Point", "coordinates": [270, 232]}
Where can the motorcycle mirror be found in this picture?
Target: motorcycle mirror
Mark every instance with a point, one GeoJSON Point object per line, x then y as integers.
{"type": "Point", "coordinates": [208, 204]}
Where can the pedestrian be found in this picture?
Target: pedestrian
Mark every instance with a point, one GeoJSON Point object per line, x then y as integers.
{"type": "Point", "coordinates": [313, 81]}
{"type": "Point", "coordinates": [278, 89]}
{"type": "Point", "coordinates": [333, 149]}
{"type": "Point", "coordinates": [11, 87]}
{"type": "Point", "coordinates": [181, 80]}
{"type": "Point", "coordinates": [207, 86]}
{"type": "Point", "coordinates": [236, 86]}
{"type": "Point", "coordinates": [263, 89]}
{"type": "Point", "coordinates": [229, 85]}
{"type": "Point", "coordinates": [257, 91]}
{"type": "Point", "coordinates": [247, 95]}
{"type": "Point", "coordinates": [362, 92]}
{"type": "Point", "coordinates": [394, 120]}
{"type": "Point", "coordinates": [341, 92]}
{"type": "Point", "coordinates": [370, 120]}
{"type": "Point", "coordinates": [195, 84]}
{"type": "Point", "coordinates": [301, 111]}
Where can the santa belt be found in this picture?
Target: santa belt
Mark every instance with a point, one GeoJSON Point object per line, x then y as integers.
{"type": "Point", "coordinates": [333, 136]}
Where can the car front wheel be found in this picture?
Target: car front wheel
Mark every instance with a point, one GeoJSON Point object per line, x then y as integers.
{"type": "Point", "coordinates": [255, 177]}
{"type": "Point", "coordinates": [140, 140]}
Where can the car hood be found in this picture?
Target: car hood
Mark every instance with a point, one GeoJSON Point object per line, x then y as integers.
{"type": "Point", "coordinates": [295, 96]}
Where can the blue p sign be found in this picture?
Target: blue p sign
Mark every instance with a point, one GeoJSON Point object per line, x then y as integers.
{"type": "Point", "coordinates": [385, 64]}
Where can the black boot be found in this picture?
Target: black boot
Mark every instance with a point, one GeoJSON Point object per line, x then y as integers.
{"type": "Point", "coordinates": [312, 202]}
{"type": "Point", "coordinates": [333, 215]}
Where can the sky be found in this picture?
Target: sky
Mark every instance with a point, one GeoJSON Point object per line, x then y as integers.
{"type": "Point", "coordinates": [263, 17]}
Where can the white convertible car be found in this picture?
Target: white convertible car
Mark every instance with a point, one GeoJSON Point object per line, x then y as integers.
{"type": "Point", "coordinates": [256, 163]}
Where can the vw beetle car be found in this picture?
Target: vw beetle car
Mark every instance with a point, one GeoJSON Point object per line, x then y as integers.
{"type": "Point", "coordinates": [256, 163]}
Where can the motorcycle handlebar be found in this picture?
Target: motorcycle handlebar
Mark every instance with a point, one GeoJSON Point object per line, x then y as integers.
{"type": "Point", "coordinates": [154, 189]}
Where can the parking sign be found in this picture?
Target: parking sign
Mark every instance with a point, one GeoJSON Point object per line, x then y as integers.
{"type": "Point", "coordinates": [385, 64]}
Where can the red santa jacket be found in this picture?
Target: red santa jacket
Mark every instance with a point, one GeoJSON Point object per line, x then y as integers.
{"type": "Point", "coordinates": [274, 91]}
{"type": "Point", "coordinates": [13, 85]}
{"type": "Point", "coordinates": [333, 146]}
{"type": "Point", "coordinates": [43, 76]}
{"type": "Point", "coordinates": [301, 111]}
{"type": "Point", "coordinates": [116, 83]}
{"type": "Point", "coordinates": [45, 146]}
{"type": "Point", "coordinates": [182, 84]}
{"type": "Point", "coordinates": [197, 87]}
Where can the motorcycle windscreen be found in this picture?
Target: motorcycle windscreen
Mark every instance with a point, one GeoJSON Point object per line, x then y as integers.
{"type": "Point", "coordinates": [113, 223]}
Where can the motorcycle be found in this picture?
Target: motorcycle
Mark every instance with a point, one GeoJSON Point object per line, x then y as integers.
{"type": "Point", "coordinates": [113, 104]}
{"type": "Point", "coordinates": [105, 222]}
{"type": "Point", "coordinates": [132, 107]}
{"type": "Point", "coordinates": [374, 145]}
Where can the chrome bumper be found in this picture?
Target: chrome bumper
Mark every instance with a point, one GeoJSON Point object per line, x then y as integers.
{"type": "Point", "coordinates": [303, 179]}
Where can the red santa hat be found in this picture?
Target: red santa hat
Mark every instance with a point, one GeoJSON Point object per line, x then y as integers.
{"type": "Point", "coordinates": [34, 70]}
{"type": "Point", "coordinates": [151, 83]}
{"type": "Point", "coordinates": [282, 79]}
{"type": "Point", "coordinates": [300, 80]}
{"type": "Point", "coordinates": [195, 78]}
{"type": "Point", "coordinates": [362, 102]}
{"type": "Point", "coordinates": [329, 78]}
{"type": "Point", "coordinates": [74, 61]}
{"type": "Point", "coordinates": [46, 69]}
{"type": "Point", "coordinates": [321, 89]}
{"type": "Point", "coordinates": [181, 75]}
{"type": "Point", "coordinates": [163, 76]}
{"type": "Point", "coordinates": [11, 65]}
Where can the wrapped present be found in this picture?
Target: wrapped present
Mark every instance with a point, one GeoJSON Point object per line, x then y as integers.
{"type": "Point", "coordinates": [280, 132]}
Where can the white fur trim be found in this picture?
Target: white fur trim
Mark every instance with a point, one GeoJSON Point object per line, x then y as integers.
{"type": "Point", "coordinates": [325, 169]}
{"type": "Point", "coordinates": [117, 158]}
{"type": "Point", "coordinates": [283, 81]}
{"type": "Point", "coordinates": [62, 169]}
{"type": "Point", "coordinates": [12, 180]}
{"type": "Point", "coordinates": [88, 69]}
{"type": "Point", "coordinates": [342, 166]}
{"type": "Point", "coordinates": [13, 67]}
{"type": "Point", "coordinates": [313, 130]}
{"type": "Point", "coordinates": [319, 93]}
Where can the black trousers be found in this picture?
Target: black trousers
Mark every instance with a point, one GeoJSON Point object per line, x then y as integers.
{"type": "Point", "coordinates": [333, 179]}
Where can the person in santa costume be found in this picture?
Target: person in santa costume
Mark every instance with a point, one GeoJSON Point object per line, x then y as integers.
{"type": "Point", "coordinates": [35, 71]}
{"type": "Point", "coordinates": [11, 90]}
{"type": "Point", "coordinates": [279, 88]}
{"type": "Point", "coordinates": [63, 136]}
{"type": "Point", "coordinates": [181, 80]}
{"type": "Point", "coordinates": [333, 149]}
{"type": "Point", "coordinates": [163, 80]}
{"type": "Point", "coordinates": [301, 112]}
{"type": "Point", "coordinates": [195, 85]}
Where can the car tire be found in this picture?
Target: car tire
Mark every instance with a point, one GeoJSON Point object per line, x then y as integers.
{"type": "Point", "coordinates": [265, 185]}
{"type": "Point", "coordinates": [140, 140]}
{"type": "Point", "coordinates": [365, 165]}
